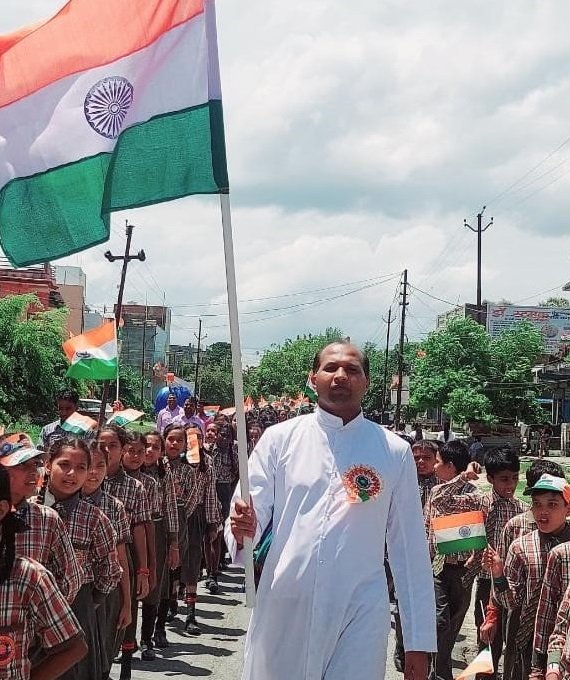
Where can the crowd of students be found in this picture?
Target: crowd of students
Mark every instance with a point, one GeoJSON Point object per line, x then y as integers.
{"type": "Point", "coordinates": [521, 580]}
{"type": "Point", "coordinates": [99, 531]}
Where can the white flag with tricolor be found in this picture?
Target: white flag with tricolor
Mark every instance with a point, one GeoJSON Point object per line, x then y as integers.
{"type": "Point", "coordinates": [482, 663]}
{"type": "Point", "coordinates": [78, 424]}
{"type": "Point", "coordinates": [109, 105]}
{"type": "Point", "coordinates": [462, 532]}
{"type": "Point", "coordinates": [126, 416]}
{"type": "Point", "coordinates": [93, 355]}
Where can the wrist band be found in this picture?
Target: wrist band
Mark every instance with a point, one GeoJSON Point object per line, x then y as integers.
{"type": "Point", "coordinates": [143, 572]}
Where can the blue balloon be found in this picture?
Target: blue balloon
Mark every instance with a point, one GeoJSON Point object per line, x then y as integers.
{"type": "Point", "coordinates": [182, 393]}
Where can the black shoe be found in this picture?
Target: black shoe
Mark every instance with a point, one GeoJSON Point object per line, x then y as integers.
{"type": "Point", "coordinates": [191, 626]}
{"type": "Point", "coordinates": [126, 660]}
{"type": "Point", "coordinates": [212, 585]}
{"type": "Point", "coordinates": [160, 640]}
{"type": "Point", "coordinates": [147, 651]}
{"type": "Point", "coordinates": [172, 610]}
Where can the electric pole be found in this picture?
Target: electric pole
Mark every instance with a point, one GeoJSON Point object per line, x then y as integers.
{"type": "Point", "coordinates": [126, 258]}
{"type": "Point", "coordinates": [385, 381]}
{"type": "Point", "coordinates": [404, 303]}
{"type": "Point", "coordinates": [199, 338]}
{"type": "Point", "coordinates": [480, 229]}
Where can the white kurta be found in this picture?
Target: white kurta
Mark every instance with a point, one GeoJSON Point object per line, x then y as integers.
{"type": "Point", "coordinates": [322, 609]}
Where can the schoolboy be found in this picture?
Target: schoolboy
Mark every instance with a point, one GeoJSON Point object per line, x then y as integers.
{"type": "Point", "coordinates": [558, 664]}
{"type": "Point", "coordinates": [518, 581]}
{"type": "Point", "coordinates": [424, 453]}
{"type": "Point", "coordinates": [452, 598]}
{"type": "Point", "coordinates": [498, 506]}
{"type": "Point", "coordinates": [517, 526]}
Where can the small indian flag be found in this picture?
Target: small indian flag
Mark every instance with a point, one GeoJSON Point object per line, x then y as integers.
{"type": "Point", "coordinates": [109, 105]}
{"type": "Point", "coordinates": [93, 355]}
{"type": "Point", "coordinates": [126, 416]}
{"type": "Point", "coordinates": [462, 532]}
{"type": "Point", "coordinates": [309, 390]}
{"type": "Point", "coordinates": [482, 663]}
{"type": "Point", "coordinates": [78, 424]}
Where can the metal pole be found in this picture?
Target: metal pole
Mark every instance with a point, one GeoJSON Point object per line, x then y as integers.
{"type": "Point", "coordinates": [238, 386]}
{"type": "Point", "coordinates": [385, 381]}
{"type": "Point", "coordinates": [199, 336]}
{"type": "Point", "coordinates": [401, 351]}
{"type": "Point", "coordinates": [143, 354]}
{"type": "Point", "coordinates": [479, 231]}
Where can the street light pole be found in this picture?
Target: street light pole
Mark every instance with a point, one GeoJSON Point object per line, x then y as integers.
{"type": "Point", "coordinates": [404, 304]}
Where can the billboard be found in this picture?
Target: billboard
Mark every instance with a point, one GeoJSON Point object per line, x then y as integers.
{"type": "Point", "coordinates": [553, 322]}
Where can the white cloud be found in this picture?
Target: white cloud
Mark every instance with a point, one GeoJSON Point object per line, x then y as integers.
{"type": "Point", "coordinates": [359, 137]}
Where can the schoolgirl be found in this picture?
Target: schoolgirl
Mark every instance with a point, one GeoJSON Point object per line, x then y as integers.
{"type": "Point", "coordinates": [131, 492]}
{"type": "Point", "coordinates": [184, 483]}
{"type": "Point", "coordinates": [203, 521]}
{"type": "Point", "coordinates": [166, 536]}
{"type": "Point", "coordinates": [32, 608]}
{"type": "Point", "coordinates": [46, 539]}
{"type": "Point", "coordinates": [114, 614]}
{"type": "Point", "coordinates": [133, 460]}
{"type": "Point", "coordinates": [92, 537]}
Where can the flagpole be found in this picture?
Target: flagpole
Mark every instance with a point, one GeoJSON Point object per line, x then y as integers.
{"type": "Point", "coordinates": [238, 386]}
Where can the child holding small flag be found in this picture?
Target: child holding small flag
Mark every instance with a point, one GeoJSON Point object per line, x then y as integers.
{"type": "Point", "coordinates": [451, 596]}
{"type": "Point", "coordinates": [518, 581]}
{"type": "Point", "coordinates": [498, 506]}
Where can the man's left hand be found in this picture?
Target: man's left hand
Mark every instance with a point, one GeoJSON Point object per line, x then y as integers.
{"type": "Point", "coordinates": [417, 664]}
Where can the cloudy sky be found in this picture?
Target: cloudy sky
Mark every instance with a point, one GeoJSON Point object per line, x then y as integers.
{"type": "Point", "coordinates": [360, 135]}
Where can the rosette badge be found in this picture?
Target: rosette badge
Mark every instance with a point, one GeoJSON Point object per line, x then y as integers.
{"type": "Point", "coordinates": [362, 483]}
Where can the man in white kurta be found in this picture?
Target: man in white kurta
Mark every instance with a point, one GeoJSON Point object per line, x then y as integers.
{"type": "Point", "coordinates": [322, 609]}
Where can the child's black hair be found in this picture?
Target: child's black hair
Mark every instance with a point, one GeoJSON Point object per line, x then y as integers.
{"type": "Point", "coordinates": [160, 464]}
{"type": "Point", "coordinates": [457, 453]}
{"type": "Point", "coordinates": [541, 467]}
{"type": "Point", "coordinates": [120, 432]}
{"type": "Point", "coordinates": [501, 460]}
{"type": "Point", "coordinates": [9, 528]}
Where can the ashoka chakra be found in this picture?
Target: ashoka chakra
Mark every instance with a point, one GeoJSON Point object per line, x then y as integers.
{"type": "Point", "coordinates": [106, 105]}
{"type": "Point", "coordinates": [465, 532]}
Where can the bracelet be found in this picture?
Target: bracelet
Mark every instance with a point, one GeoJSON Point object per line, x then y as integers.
{"type": "Point", "coordinates": [143, 572]}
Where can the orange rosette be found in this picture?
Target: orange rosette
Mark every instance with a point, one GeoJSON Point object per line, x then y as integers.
{"type": "Point", "coordinates": [362, 483]}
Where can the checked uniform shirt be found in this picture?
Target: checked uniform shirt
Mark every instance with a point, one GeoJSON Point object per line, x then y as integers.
{"type": "Point", "coordinates": [515, 528]}
{"type": "Point", "coordinates": [184, 481]}
{"type": "Point", "coordinates": [559, 643]}
{"type": "Point", "coordinates": [132, 495]}
{"type": "Point", "coordinates": [524, 572]}
{"type": "Point", "coordinates": [93, 540]}
{"type": "Point", "coordinates": [554, 584]}
{"type": "Point", "coordinates": [32, 607]}
{"type": "Point", "coordinates": [45, 539]}
{"type": "Point", "coordinates": [115, 511]}
{"type": "Point", "coordinates": [205, 493]}
{"type": "Point", "coordinates": [425, 485]}
{"type": "Point", "coordinates": [167, 494]}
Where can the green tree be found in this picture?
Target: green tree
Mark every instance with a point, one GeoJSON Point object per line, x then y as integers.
{"type": "Point", "coordinates": [561, 302]}
{"type": "Point", "coordinates": [216, 385]}
{"type": "Point", "coordinates": [284, 368]}
{"type": "Point", "coordinates": [373, 398]}
{"type": "Point", "coordinates": [32, 362]}
{"type": "Point", "coordinates": [218, 354]}
{"type": "Point", "coordinates": [473, 377]}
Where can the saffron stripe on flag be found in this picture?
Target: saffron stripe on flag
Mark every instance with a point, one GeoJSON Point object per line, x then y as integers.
{"type": "Point", "coordinates": [457, 520]}
{"type": "Point", "coordinates": [82, 36]}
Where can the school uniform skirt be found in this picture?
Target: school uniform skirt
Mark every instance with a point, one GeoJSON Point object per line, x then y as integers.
{"type": "Point", "coordinates": [196, 530]}
{"type": "Point", "coordinates": [83, 607]}
{"type": "Point", "coordinates": [160, 540]}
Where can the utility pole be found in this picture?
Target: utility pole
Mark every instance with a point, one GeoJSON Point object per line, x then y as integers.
{"type": "Point", "coordinates": [199, 338]}
{"type": "Point", "coordinates": [126, 258]}
{"type": "Point", "coordinates": [143, 351]}
{"type": "Point", "coordinates": [385, 381]}
{"type": "Point", "coordinates": [480, 229]}
{"type": "Point", "coordinates": [404, 304]}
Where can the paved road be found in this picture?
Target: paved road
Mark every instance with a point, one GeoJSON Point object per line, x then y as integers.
{"type": "Point", "coordinates": [217, 653]}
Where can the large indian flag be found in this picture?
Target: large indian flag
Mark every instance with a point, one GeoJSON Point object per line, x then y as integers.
{"type": "Point", "coordinates": [93, 355]}
{"type": "Point", "coordinates": [461, 532]}
{"type": "Point", "coordinates": [109, 105]}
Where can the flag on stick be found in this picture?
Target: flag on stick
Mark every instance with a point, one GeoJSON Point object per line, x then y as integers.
{"type": "Point", "coordinates": [309, 390]}
{"type": "Point", "coordinates": [93, 355]}
{"type": "Point", "coordinates": [126, 416]}
{"type": "Point", "coordinates": [78, 424]}
{"type": "Point", "coordinates": [482, 663]}
{"type": "Point", "coordinates": [108, 105]}
{"type": "Point", "coordinates": [461, 532]}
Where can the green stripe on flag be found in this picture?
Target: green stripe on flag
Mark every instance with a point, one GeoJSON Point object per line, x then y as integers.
{"type": "Point", "coordinates": [73, 429]}
{"type": "Point", "coordinates": [65, 209]}
{"type": "Point", "coordinates": [462, 545]}
{"type": "Point", "coordinates": [93, 369]}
